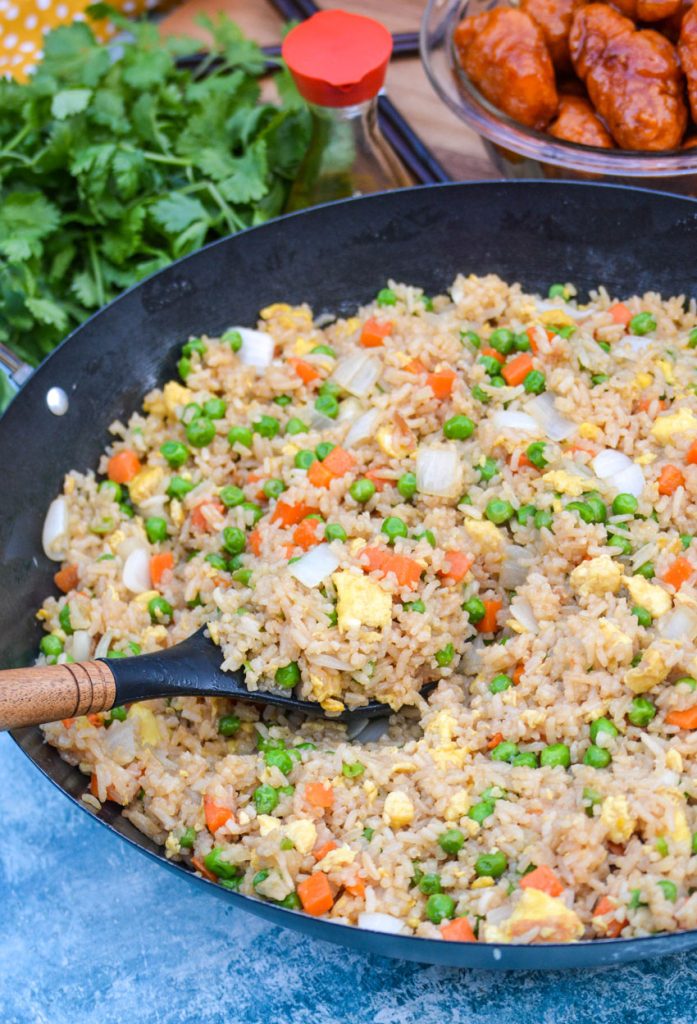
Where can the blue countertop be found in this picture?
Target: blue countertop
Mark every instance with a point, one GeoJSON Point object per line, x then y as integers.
{"type": "Point", "coordinates": [93, 932]}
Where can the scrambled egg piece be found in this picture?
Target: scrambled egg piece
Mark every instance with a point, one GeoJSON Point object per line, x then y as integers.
{"type": "Point", "coordinates": [370, 790]}
{"type": "Point", "coordinates": [666, 369]}
{"type": "Point", "coordinates": [650, 671]}
{"type": "Point", "coordinates": [145, 484]}
{"type": "Point", "coordinates": [176, 512]}
{"type": "Point", "coordinates": [172, 847]}
{"type": "Point", "coordinates": [175, 394]}
{"type": "Point", "coordinates": [302, 834]}
{"type": "Point", "coordinates": [267, 823]}
{"type": "Point", "coordinates": [399, 810]}
{"type": "Point", "coordinates": [146, 724]}
{"type": "Point", "coordinates": [458, 805]}
{"type": "Point", "coordinates": [601, 575]}
{"type": "Point", "coordinates": [485, 534]}
{"type": "Point", "coordinates": [665, 428]}
{"type": "Point", "coordinates": [618, 646]}
{"type": "Point", "coordinates": [385, 437]}
{"type": "Point", "coordinates": [144, 599]}
{"type": "Point", "coordinates": [360, 602]}
{"type": "Point", "coordinates": [655, 599]}
{"type": "Point", "coordinates": [646, 459]}
{"type": "Point", "coordinates": [643, 380]}
{"type": "Point", "coordinates": [339, 858]}
{"type": "Point", "coordinates": [536, 909]}
{"type": "Point", "coordinates": [566, 483]}
{"type": "Point", "coordinates": [680, 834]}
{"type": "Point", "coordinates": [483, 882]}
{"type": "Point", "coordinates": [589, 431]}
{"type": "Point", "coordinates": [444, 724]}
{"type": "Point", "coordinates": [616, 817]}
{"type": "Point", "coordinates": [674, 761]}
{"type": "Point", "coordinates": [274, 887]}
{"type": "Point", "coordinates": [275, 309]}
{"type": "Point", "coordinates": [556, 318]}
{"type": "Point", "coordinates": [449, 754]}
{"type": "Point", "coordinates": [303, 345]}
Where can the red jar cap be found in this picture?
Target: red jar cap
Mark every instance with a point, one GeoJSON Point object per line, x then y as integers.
{"type": "Point", "coordinates": [338, 59]}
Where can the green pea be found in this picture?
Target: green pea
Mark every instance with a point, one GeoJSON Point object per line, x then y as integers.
{"type": "Point", "coordinates": [491, 365]}
{"type": "Point", "coordinates": [160, 610]}
{"type": "Point", "coordinates": [116, 490]}
{"type": "Point", "coordinates": [282, 400]}
{"type": "Point", "coordinates": [51, 646]}
{"type": "Point", "coordinates": [233, 339]}
{"type": "Point", "coordinates": [406, 485]}
{"type": "Point", "coordinates": [184, 367]}
{"type": "Point", "coordinates": [597, 757]}
{"type": "Point", "coordinates": [112, 653]}
{"type": "Point", "coordinates": [103, 526]}
{"type": "Point", "coordinates": [491, 865]}
{"type": "Point", "coordinates": [265, 799]}
{"type": "Point", "coordinates": [452, 841]}
{"type": "Point", "coordinates": [500, 683]}
{"type": "Point", "coordinates": [260, 877]}
{"type": "Point", "coordinates": [219, 867]}
{"type": "Point", "coordinates": [504, 751]}
{"type": "Point", "coordinates": [605, 726]}
{"type": "Point", "coordinates": [64, 619]}
{"type": "Point", "coordinates": [692, 338]}
{"type": "Point", "coordinates": [290, 902]}
{"type": "Point", "coordinates": [214, 408]}
{"type": "Point", "coordinates": [295, 426]}
{"type": "Point", "coordinates": [524, 513]}
{"type": "Point", "coordinates": [428, 303]}
{"type": "Point", "coordinates": [597, 506]}
{"type": "Point", "coordinates": [591, 797]}
{"type": "Point", "coordinates": [458, 428]}
{"type": "Point", "coordinates": [686, 539]}
{"type": "Point", "coordinates": [556, 754]}
{"type": "Point", "coordinates": [323, 449]}
{"type": "Point", "coordinates": [179, 487]}
{"type": "Point", "coordinates": [386, 297]}
{"type": "Point", "coordinates": [134, 648]}
{"type": "Point", "coordinates": [430, 884]}
{"type": "Point", "coordinates": [499, 511]}
{"type": "Point", "coordinates": [465, 500]}
{"type": "Point", "coordinates": [231, 496]}
{"type": "Point", "coordinates": [362, 490]}
{"type": "Point", "coordinates": [564, 332]}
{"type": "Point", "coordinates": [352, 771]}
{"type": "Point", "coordinates": [688, 682]}
{"type": "Point", "coordinates": [288, 675]}
{"type": "Point", "coordinates": [242, 576]}
{"type": "Point", "coordinates": [623, 544]}
{"type": "Point", "coordinates": [156, 529]}
{"type": "Point", "coordinates": [217, 561]}
{"type": "Point", "coordinates": [280, 759]}
{"type": "Point", "coordinates": [557, 291]}
{"type": "Point", "coordinates": [200, 432]}
{"type": "Point", "coordinates": [187, 838]}
{"type": "Point", "coordinates": [323, 350]}
{"type": "Point", "coordinates": [234, 540]}
{"type": "Point", "coordinates": [522, 342]}
{"type": "Point", "coordinates": [273, 488]}
{"type": "Point", "coordinates": [256, 510]}
{"type": "Point", "coordinates": [644, 616]}
{"type": "Point", "coordinates": [475, 609]}
{"type": "Point", "coordinates": [440, 907]}
{"type": "Point", "coordinates": [428, 535]}
{"type": "Point", "coordinates": [415, 606]}
{"type": "Point", "coordinates": [525, 759]}
{"type": "Point", "coordinates": [497, 382]}
{"type": "Point", "coordinates": [624, 505]}
{"type": "Point", "coordinates": [266, 426]}
{"type": "Point", "coordinates": [327, 405]}
{"type": "Point", "coordinates": [480, 395]}
{"type": "Point", "coordinates": [661, 846]}
{"type": "Point", "coordinates": [368, 833]}
{"type": "Point", "coordinates": [191, 411]}
{"type": "Point", "coordinates": [535, 453]}
{"type": "Point", "coordinates": [670, 889]}
{"type": "Point", "coordinates": [194, 345]}
{"type": "Point", "coordinates": [642, 323]}
{"type": "Point", "coordinates": [543, 519]}
{"type": "Point", "coordinates": [127, 509]}
{"type": "Point", "coordinates": [444, 657]}
{"type": "Point", "coordinates": [394, 527]}
{"type": "Point", "coordinates": [228, 725]}
{"type": "Point", "coordinates": [535, 382]}
{"type": "Point", "coordinates": [479, 812]}
{"type": "Point", "coordinates": [470, 338]}
{"type": "Point", "coordinates": [304, 459]}
{"type": "Point", "coordinates": [502, 340]}
{"type": "Point", "coordinates": [599, 378]}
{"type": "Point", "coordinates": [488, 469]}
{"type": "Point", "coordinates": [694, 842]}
{"type": "Point", "coordinates": [646, 570]}
{"type": "Point", "coordinates": [604, 345]}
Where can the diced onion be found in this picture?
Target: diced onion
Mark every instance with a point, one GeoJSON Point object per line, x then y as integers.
{"type": "Point", "coordinates": [630, 481]}
{"type": "Point", "coordinates": [257, 347]}
{"type": "Point", "coordinates": [624, 475]}
{"type": "Point", "coordinates": [102, 648]}
{"type": "Point", "coordinates": [349, 409]}
{"type": "Point", "coordinates": [545, 305]}
{"type": "Point", "coordinates": [520, 421]}
{"type": "Point", "coordinates": [439, 471]}
{"type": "Point", "coordinates": [136, 571]}
{"type": "Point", "coordinates": [521, 611]}
{"type": "Point", "coordinates": [54, 536]}
{"type": "Point", "coordinates": [553, 424]}
{"type": "Point", "coordinates": [321, 422]}
{"type": "Point", "coordinates": [381, 923]}
{"type": "Point", "coordinates": [363, 429]}
{"type": "Point", "coordinates": [680, 624]}
{"type": "Point", "coordinates": [82, 645]}
{"type": "Point", "coordinates": [357, 373]}
{"type": "Point", "coordinates": [119, 741]}
{"type": "Point", "coordinates": [327, 661]}
{"type": "Point", "coordinates": [515, 568]}
{"type": "Point", "coordinates": [315, 566]}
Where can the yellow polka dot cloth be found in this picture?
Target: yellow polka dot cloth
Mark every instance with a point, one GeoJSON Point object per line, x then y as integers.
{"type": "Point", "coordinates": [24, 23]}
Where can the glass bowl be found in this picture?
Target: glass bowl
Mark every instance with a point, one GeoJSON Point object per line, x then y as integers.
{"type": "Point", "coordinates": [520, 152]}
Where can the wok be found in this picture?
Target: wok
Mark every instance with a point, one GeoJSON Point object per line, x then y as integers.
{"type": "Point", "coordinates": [334, 257]}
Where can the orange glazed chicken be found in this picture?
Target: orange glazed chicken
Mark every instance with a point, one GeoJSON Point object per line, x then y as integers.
{"type": "Point", "coordinates": [647, 10]}
{"type": "Point", "coordinates": [687, 48]}
{"type": "Point", "coordinates": [504, 53]}
{"type": "Point", "coordinates": [554, 18]}
{"type": "Point", "coordinates": [576, 121]}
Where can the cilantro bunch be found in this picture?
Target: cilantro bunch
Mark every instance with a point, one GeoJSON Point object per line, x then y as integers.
{"type": "Point", "coordinates": [114, 162]}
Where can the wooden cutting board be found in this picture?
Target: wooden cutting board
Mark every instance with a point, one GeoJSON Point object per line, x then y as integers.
{"type": "Point", "coordinates": [459, 150]}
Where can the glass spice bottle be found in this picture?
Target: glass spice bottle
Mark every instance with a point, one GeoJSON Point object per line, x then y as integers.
{"type": "Point", "coordinates": [338, 62]}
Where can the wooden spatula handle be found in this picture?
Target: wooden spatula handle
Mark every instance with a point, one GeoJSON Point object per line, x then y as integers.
{"type": "Point", "coordinates": [48, 693]}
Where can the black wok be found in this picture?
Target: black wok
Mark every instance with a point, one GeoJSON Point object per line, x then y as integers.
{"type": "Point", "coordinates": [334, 257]}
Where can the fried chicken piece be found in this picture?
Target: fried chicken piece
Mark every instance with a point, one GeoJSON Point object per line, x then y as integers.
{"type": "Point", "coordinates": [576, 121]}
{"type": "Point", "coordinates": [504, 53]}
{"type": "Point", "coordinates": [670, 27]}
{"type": "Point", "coordinates": [633, 78]}
{"type": "Point", "coordinates": [647, 10]}
{"type": "Point", "coordinates": [554, 18]}
{"type": "Point", "coordinates": [687, 48]}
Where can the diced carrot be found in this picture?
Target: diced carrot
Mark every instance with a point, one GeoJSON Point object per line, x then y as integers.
{"type": "Point", "coordinates": [645, 404]}
{"type": "Point", "coordinates": [254, 540]}
{"type": "Point", "coordinates": [321, 852]}
{"type": "Point", "coordinates": [338, 462]}
{"type": "Point", "coordinates": [94, 789]}
{"type": "Point", "coordinates": [376, 558]}
{"type": "Point", "coordinates": [516, 370]}
{"type": "Point", "coordinates": [457, 930]}
{"type": "Point", "coordinates": [319, 476]}
{"type": "Point", "coordinates": [670, 479]}
{"type": "Point", "coordinates": [686, 719]}
{"type": "Point", "coordinates": [374, 476]}
{"type": "Point", "coordinates": [583, 446]}
{"type": "Point", "coordinates": [691, 457]}
{"type": "Point", "coordinates": [306, 371]}
{"type": "Point", "coordinates": [678, 573]}
{"type": "Point", "coordinates": [415, 366]}
{"type": "Point", "coordinates": [95, 719]}
{"type": "Point", "coordinates": [123, 467]}
{"type": "Point", "coordinates": [319, 794]}
{"type": "Point", "coordinates": [291, 515]}
{"type": "Point", "coordinates": [493, 354]}
{"type": "Point", "coordinates": [518, 674]}
{"type": "Point", "coordinates": [198, 520]}
{"type": "Point", "coordinates": [305, 535]}
{"type": "Point", "coordinates": [160, 564]}
{"type": "Point", "coordinates": [67, 722]}
{"type": "Point", "coordinates": [216, 815]}
{"type": "Point", "coordinates": [458, 565]}
{"type": "Point", "coordinates": [544, 879]}
{"type": "Point", "coordinates": [611, 929]}
{"type": "Point", "coordinates": [374, 333]}
{"type": "Point", "coordinates": [494, 741]}
{"type": "Point", "coordinates": [315, 894]}
{"type": "Point", "coordinates": [407, 570]}
{"type": "Point", "coordinates": [356, 887]}
{"type": "Point", "coordinates": [441, 383]}
{"type": "Point", "coordinates": [619, 313]}
{"type": "Point", "coordinates": [532, 338]}
{"type": "Point", "coordinates": [66, 578]}
{"type": "Point", "coordinates": [203, 870]}
{"type": "Point", "coordinates": [487, 623]}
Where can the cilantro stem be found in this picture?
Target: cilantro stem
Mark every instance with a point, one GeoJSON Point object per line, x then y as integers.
{"type": "Point", "coordinates": [232, 221]}
{"type": "Point", "coordinates": [161, 158]}
{"type": "Point", "coordinates": [19, 137]}
{"type": "Point", "coordinates": [96, 271]}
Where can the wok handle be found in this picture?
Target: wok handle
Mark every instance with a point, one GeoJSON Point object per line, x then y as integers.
{"type": "Point", "coordinates": [48, 693]}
